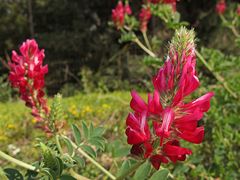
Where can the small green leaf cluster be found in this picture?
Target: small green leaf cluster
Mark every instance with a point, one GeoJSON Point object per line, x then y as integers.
{"type": "Point", "coordinates": [143, 171]}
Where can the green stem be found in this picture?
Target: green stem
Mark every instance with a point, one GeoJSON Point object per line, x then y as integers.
{"type": "Point", "coordinates": [232, 27]}
{"type": "Point", "coordinates": [99, 166]}
{"type": "Point", "coordinates": [131, 170]}
{"type": "Point", "coordinates": [216, 75]}
{"type": "Point", "coordinates": [136, 40]}
{"type": "Point", "coordinates": [77, 176]}
{"type": "Point", "coordinates": [18, 162]}
{"type": "Point", "coordinates": [234, 30]}
{"type": "Point", "coordinates": [146, 40]}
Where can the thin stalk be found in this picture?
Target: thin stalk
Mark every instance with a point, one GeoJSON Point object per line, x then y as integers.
{"type": "Point", "coordinates": [18, 162]}
{"type": "Point", "coordinates": [234, 30]}
{"type": "Point", "coordinates": [129, 171]}
{"type": "Point", "coordinates": [232, 27]}
{"type": "Point", "coordinates": [146, 40]}
{"type": "Point", "coordinates": [136, 40]}
{"type": "Point", "coordinates": [99, 166]}
{"type": "Point", "coordinates": [216, 75]}
{"type": "Point", "coordinates": [77, 176]}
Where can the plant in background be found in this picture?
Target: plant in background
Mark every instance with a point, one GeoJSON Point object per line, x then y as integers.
{"type": "Point", "coordinates": [172, 118]}
{"type": "Point", "coordinates": [166, 11]}
{"type": "Point", "coordinates": [230, 17]}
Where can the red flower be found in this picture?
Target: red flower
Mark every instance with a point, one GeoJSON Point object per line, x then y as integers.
{"type": "Point", "coordinates": [27, 74]}
{"type": "Point", "coordinates": [172, 117]}
{"type": "Point", "coordinates": [137, 130]}
{"type": "Point", "coordinates": [221, 7]}
{"type": "Point", "coordinates": [144, 17]}
{"type": "Point", "coordinates": [128, 9]}
{"type": "Point", "coordinates": [118, 14]}
{"type": "Point", "coordinates": [238, 10]}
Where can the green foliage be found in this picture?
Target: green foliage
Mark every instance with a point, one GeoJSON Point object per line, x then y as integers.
{"type": "Point", "coordinates": [127, 37]}
{"type": "Point", "coordinates": [13, 174]}
{"type": "Point", "coordinates": [167, 15]}
{"type": "Point", "coordinates": [5, 89]}
{"type": "Point", "coordinates": [161, 174]}
{"type": "Point", "coordinates": [3, 174]}
{"type": "Point", "coordinates": [56, 113]}
{"type": "Point", "coordinates": [143, 171]}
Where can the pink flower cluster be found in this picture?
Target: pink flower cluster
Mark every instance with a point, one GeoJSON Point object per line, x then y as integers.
{"type": "Point", "coordinates": [144, 17]}
{"type": "Point", "coordinates": [118, 14]}
{"type": "Point", "coordinates": [27, 74]}
{"type": "Point", "coordinates": [221, 7]}
{"type": "Point", "coordinates": [155, 128]}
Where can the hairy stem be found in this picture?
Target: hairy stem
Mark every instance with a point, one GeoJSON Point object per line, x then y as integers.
{"type": "Point", "coordinates": [99, 166]}
{"type": "Point", "coordinates": [18, 162]}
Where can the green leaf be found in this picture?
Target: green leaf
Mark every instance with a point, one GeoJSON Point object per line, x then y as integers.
{"type": "Point", "coordinates": [90, 130]}
{"type": "Point", "coordinates": [124, 168]}
{"type": "Point", "coordinates": [60, 166]}
{"type": "Point", "coordinates": [99, 131]}
{"type": "Point", "coordinates": [56, 112]}
{"type": "Point", "coordinates": [97, 142]}
{"type": "Point", "coordinates": [85, 130]}
{"type": "Point", "coordinates": [161, 174]}
{"type": "Point", "coordinates": [80, 161]}
{"type": "Point", "coordinates": [50, 173]}
{"type": "Point", "coordinates": [69, 146]}
{"type": "Point", "coordinates": [126, 37]}
{"type": "Point", "coordinates": [143, 171]}
{"type": "Point", "coordinates": [89, 150]}
{"type": "Point", "coordinates": [3, 175]}
{"type": "Point", "coordinates": [76, 134]}
{"type": "Point", "coordinates": [13, 174]}
{"type": "Point", "coordinates": [31, 175]}
{"type": "Point", "coordinates": [121, 152]}
{"type": "Point", "coordinates": [67, 177]}
{"type": "Point", "coordinates": [49, 158]}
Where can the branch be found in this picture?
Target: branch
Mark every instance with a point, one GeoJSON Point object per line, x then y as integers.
{"type": "Point", "coordinates": [83, 153]}
{"type": "Point", "coordinates": [18, 162]}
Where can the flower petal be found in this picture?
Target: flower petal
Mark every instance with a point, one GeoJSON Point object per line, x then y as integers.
{"type": "Point", "coordinates": [137, 103]}
{"type": "Point", "coordinates": [193, 137]}
{"type": "Point", "coordinates": [137, 128]}
{"type": "Point", "coordinates": [157, 159]}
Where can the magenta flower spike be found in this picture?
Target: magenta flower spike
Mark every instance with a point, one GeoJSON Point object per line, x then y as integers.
{"type": "Point", "coordinates": [173, 118]}
{"type": "Point", "coordinates": [27, 75]}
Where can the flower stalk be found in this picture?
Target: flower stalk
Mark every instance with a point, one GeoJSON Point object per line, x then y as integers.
{"type": "Point", "coordinates": [18, 162]}
{"type": "Point", "coordinates": [99, 166]}
{"type": "Point", "coordinates": [146, 40]}
{"type": "Point", "coordinates": [140, 44]}
{"type": "Point", "coordinates": [216, 75]}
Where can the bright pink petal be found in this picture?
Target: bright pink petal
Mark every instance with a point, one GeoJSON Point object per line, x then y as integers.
{"type": "Point", "coordinates": [154, 104]}
{"type": "Point", "coordinates": [167, 119]}
{"type": "Point", "coordinates": [137, 103]}
{"type": "Point", "coordinates": [194, 137]}
{"type": "Point", "coordinates": [203, 103]}
{"type": "Point", "coordinates": [137, 129]}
